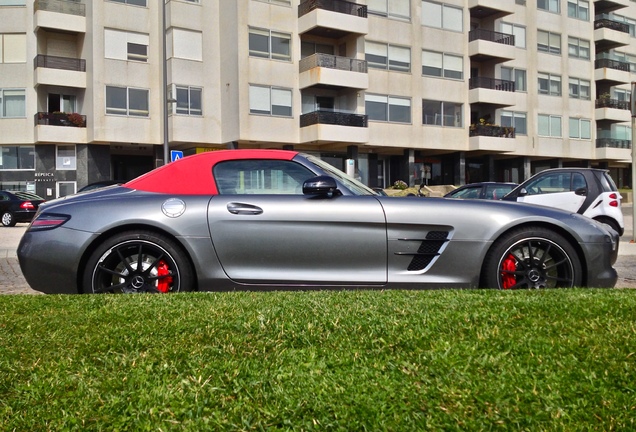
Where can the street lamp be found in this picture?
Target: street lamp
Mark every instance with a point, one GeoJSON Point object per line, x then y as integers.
{"type": "Point", "coordinates": [633, 109]}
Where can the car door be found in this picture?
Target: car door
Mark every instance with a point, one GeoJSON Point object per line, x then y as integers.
{"type": "Point", "coordinates": [563, 190]}
{"type": "Point", "coordinates": [264, 230]}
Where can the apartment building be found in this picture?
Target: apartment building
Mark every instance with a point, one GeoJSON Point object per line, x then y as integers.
{"type": "Point", "coordinates": [439, 92]}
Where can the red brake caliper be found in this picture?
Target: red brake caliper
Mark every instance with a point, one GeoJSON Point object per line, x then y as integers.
{"type": "Point", "coordinates": [164, 281]}
{"type": "Point", "coordinates": [509, 265]}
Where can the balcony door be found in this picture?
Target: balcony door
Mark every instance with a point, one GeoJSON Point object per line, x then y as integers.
{"type": "Point", "coordinates": [61, 103]}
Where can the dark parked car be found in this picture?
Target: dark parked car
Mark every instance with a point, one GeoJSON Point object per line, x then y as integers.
{"type": "Point", "coordinates": [274, 219]}
{"type": "Point", "coordinates": [484, 190]}
{"type": "Point", "coordinates": [587, 191]}
{"type": "Point", "coordinates": [18, 206]}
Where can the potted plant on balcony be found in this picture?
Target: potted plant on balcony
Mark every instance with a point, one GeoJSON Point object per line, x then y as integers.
{"type": "Point", "coordinates": [76, 120]}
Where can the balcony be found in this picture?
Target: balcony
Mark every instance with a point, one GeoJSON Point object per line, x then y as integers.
{"type": "Point", "coordinates": [609, 34]}
{"type": "Point", "coordinates": [487, 45]}
{"type": "Point", "coordinates": [330, 71]}
{"type": "Point", "coordinates": [606, 6]}
{"type": "Point", "coordinates": [491, 91]}
{"type": "Point", "coordinates": [612, 110]}
{"type": "Point", "coordinates": [63, 15]}
{"type": "Point", "coordinates": [332, 19]}
{"type": "Point", "coordinates": [486, 8]}
{"type": "Point", "coordinates": [614, 149]}
{"type": "Point", "coordinates": [60, 127]}
{"type": "Point", "coordinates": [62, 71]}
{"type": "Point", "coordinates": [333, 126]}
{"type": "Point", "coordinates": [491, 138]}
{"type": "Point", "coordinates": [613, 71]}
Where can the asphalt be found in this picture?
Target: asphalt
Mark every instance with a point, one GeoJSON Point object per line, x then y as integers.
{"type": "Point", "coordinates": [12, 281]}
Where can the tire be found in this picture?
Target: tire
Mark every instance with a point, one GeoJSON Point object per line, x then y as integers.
{"type": "Point", "coordinates": [114, 267]}
{"type": "Point", "coordinates": [7, 219]}
{"type": "Point", "coordinates": [532, 257]}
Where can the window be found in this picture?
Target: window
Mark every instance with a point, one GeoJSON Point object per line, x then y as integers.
{"type": "Point", "coordinates": [17, 157]}
{"type": "Point", "coordinates": [269, 44]}
{"type": "Point", "coordinates": [549, 84]}
{"type": "Point", "coordinates": [122, 45]}
{"type": "Point", "coordinates": [127, 101]}
{"type": "Point", "coordinates": [549, 125]}
{"type": "Point", "coordinates": [65, 188]}
{"type": "Point", "coordinates": [518, 31]}
{"type": "Point", "coordinates": [13, 48]}
{"type": "Point", "coordinates": [556, 183]}
{"type": "Point", "coordinates": [308, 48]}
{"type": "Point", "coordinates": [131, 2]}
{"type": "Point", "coordinates": [549, 5]}
{"type": "Point", "coordinates": [270, 101]}
{"type": "Point", "coordinates": [186, 44]}
{"type": "Point", "coordinates": [188, 100]}
{"type": "Point", "coordinates": [549, 42]}
{"type": "Point", "coordinates": [12, 103]}
{"type": "Point", "coordinates": [622, 95]}
{"type": "Point", "coordinates": [439, 113]}
{"type": "Point", "coordinates": [580, 128]}
{"type": "Point", "coordinates": [579, 89]}
{"type": "Point", "coordinates": [442, 16]}
{"type": "Point", "coordinates": [12, 2]}
{"type": "Point", "coordinates": [578, 48]}
{"type": "Point", "coordinates": [399, 9]}
{"type": "Point", "coordinates": [442, 65]}
{"type": "Point", "coordinates": [518, 76]}
{"type": "Point", "coordinates": [579, 9]}
{"type": "Point", "coordinates": [517, 120]}
{"type": "Point", "coordinates": [384, 56]}
{"type": "Point", "coordinates": [388, 108]}
{"type": "Point", "coordinates": [261, 177]}
{"type": "Point", "coordinates": [65, 159]}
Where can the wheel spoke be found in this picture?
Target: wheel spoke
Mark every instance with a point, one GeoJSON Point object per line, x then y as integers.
{"type": "Point", "coordinates": [153, 265]}
{"type": "Point", "coordinates": [123, 260]}
{"type": "Point", "coordinates": [109, 271]}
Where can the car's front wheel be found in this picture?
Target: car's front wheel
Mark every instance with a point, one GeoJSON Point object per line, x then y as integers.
{"type": "Point", "coordinates": [138, 262]}
{"type": "Point", "coordinates": [532, 257]}
{"type": "Point", "coordinates": [8, 219]}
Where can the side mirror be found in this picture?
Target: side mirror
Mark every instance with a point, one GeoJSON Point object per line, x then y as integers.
{"type": "Point", "coordinates": [582, 191]}
{"type": "Point", "coordinates": [321, 185]}
{"type": "Point", "coordinates": [523, 192]}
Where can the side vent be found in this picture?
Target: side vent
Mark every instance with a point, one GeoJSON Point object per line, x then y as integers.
{"type": "Point", "coordinates": [429, 249]}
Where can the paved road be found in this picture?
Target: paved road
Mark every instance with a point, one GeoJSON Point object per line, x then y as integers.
{"type": "Point", "coordinates": [12, 281]}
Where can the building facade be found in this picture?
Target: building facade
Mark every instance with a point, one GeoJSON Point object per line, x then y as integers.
{"type": "Point", "coordinates": [435, 92]}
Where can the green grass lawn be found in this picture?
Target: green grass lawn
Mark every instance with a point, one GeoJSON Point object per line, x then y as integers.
{"type": "Point", "coordinates": [558, 360]}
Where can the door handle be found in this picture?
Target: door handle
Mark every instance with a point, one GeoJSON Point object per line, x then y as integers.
{"type": "Point", "coordinates": [243, 209]}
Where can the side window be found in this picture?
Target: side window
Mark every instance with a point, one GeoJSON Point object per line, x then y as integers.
{"type": "Point", "coordinates": [550, 183]}
{"type": "Point", "coordinates": [578, 181]}
{"type": "Point", "coordinates": [260, 177]}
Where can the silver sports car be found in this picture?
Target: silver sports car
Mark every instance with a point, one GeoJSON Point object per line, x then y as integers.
{"type": "Point", "coordinates": [273, 219]}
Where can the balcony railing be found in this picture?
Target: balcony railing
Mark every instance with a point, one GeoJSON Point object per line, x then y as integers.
{"type": "Point", "coordinates": [491, 36]}
{"type": "Point", "coordinates": [613, 143]}
{"type": "Point", "coordinates": [333, 118]}
{"type": "Point", "coordinates": [612, 25]}
{"type": "Point", "coordinates": [60, 119]}
{"type": "Point", "coordinates": [53, 62]}
{"type": "Point", "coordinates": [612, 103]}
{"type": "Point", "coordinates": [332, 62]}
{"type": "Point", "coordinates": [491, 131]}
{"type": "Point", "coordinates": [339, 6]}
{"type": "Point", "coordinates": [61, 6]}
{"type": "Point", "coordinates": [491, 83]}
{"type": "Point", "coordinates": [611, 64]}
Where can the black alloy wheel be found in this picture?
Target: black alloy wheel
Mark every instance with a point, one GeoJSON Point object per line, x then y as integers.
{"type": "Point", "coordinates": [132, 262]}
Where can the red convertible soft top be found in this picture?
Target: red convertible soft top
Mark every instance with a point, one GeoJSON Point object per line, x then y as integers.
{"type": "Point", "coordinates": [192, 175]}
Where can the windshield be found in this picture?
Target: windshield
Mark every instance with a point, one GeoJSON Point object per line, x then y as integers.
{"type": "Point", "coordinates": [352, 184]}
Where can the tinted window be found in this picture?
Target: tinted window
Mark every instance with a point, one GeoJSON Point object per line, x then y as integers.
{"type": "Point", "coordinates": [262, 177]}
{"type": "Point", "coordinates": [550, 183]}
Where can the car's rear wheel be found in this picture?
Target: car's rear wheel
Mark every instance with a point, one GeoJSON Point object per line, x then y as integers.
{"type": "Point", "coordinates": [138, 262]}
{"type": "Point", "coordinates": [8, 219]}
{"type": "Point", "coordinates": [532, 257]}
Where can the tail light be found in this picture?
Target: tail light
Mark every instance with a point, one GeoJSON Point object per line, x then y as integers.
{"type": "Point", "coordinates": [27, 205]}
{"type": "Point", "coordinates": [614, 199]}
{"type": "Point", "coordinates": [48, 221]}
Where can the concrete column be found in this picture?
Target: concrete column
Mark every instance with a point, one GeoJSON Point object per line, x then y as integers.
{"type": "Point", "coordinates": [408, 166]}
{"type": "Point", "coordinates": [527, 168]}
{"type": "Point", "coordinates": [233, 145]}
{"type": "Point", "coordinates": [373, 170]}
{"type": "Point", "coordinates": [459, 177]}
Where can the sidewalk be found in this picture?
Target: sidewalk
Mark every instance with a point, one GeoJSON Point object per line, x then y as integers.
{"type": "Point", "coordinates": [12, 281]}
